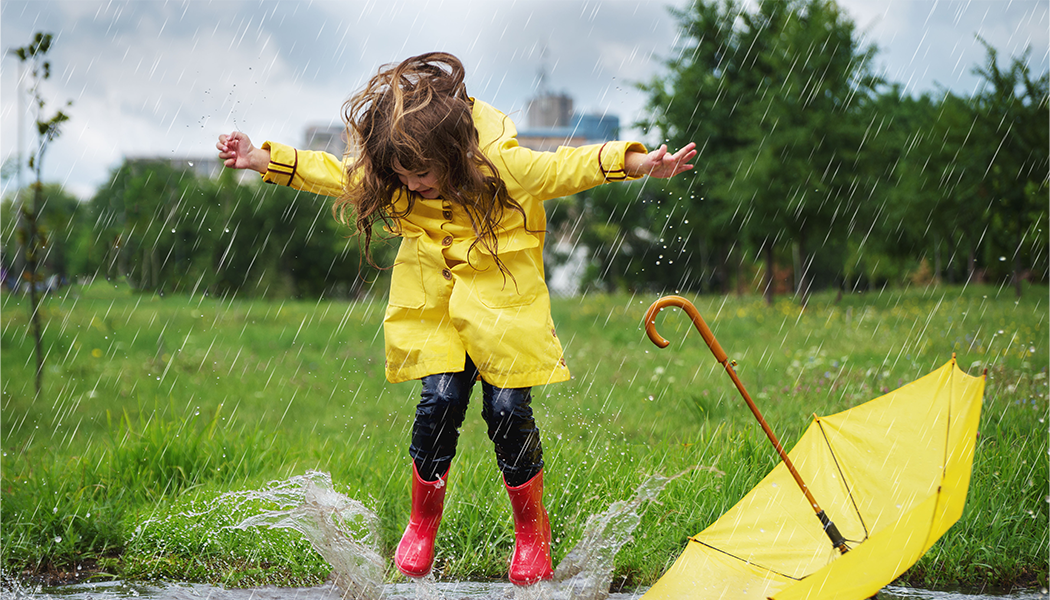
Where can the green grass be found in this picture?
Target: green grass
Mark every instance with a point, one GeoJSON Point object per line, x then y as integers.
{"type": "Point", "coordinates": [153, 407]}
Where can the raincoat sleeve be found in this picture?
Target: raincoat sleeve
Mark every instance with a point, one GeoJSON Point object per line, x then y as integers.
{"type": "Point", "coordinates": [566, 171]}
{"type": "Point", "coordinates": [546, 175]}
{"type": "Point", "coordinates": [306, 170]}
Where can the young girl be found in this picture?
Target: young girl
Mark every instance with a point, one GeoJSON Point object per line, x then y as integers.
{"type": "Point", "coordinates": [467, 295]}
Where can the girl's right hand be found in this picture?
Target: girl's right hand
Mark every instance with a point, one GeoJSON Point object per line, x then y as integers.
{"type": "Point", "coordinates": [237, 152]}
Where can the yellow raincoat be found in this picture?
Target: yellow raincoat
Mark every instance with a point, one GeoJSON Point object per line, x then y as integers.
{"type": "Point", "coordinates": [442, 305]}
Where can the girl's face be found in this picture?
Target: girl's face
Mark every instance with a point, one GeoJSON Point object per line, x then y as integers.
{"type": "Point", "coordinates": [426, 184]}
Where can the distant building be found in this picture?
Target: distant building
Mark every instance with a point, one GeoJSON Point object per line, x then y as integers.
{"type": "Point", "coordinates": [326, 138]}
{"type": "Point", "coordinates": [597, 128]}
{"type": "Point", "coordinates": [550, 111]}
{"type": "Point", "coordinates": [552, 123]}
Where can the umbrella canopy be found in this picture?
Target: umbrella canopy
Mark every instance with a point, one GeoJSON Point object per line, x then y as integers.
{"type": "Point", "coordinates": [891, 473]}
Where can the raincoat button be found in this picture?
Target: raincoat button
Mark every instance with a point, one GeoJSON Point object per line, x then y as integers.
{"type": "Point", "coordinates": [447, 241]}
{"type": "Point", "coordinates": [553, 333]}
{"type": "Point", "coordinates": [447, 214]}
{"type": "Point", "coordinates": [446, 274]}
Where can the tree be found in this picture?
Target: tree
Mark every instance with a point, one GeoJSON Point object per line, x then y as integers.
{"type": "Point", "coordinates": [47, 130]}
{"type": "Point", "coordinates": [1012, 110]}
{"type": "Point", "coordinates": [166, 230]}
{"type": "Point", "coordinates": [913, 151]}
{"type": "Point", "coordinates": [60, 225]}
{"type": "Point", "coordinates": [700, 100]}
{"type": "Point", "coordinates": [772, 98]}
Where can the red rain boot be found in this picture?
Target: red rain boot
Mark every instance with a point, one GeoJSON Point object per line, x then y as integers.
{"type": "Point", "coordinates": [415, 553]}
{"type": "Point", "coordinates": [532, 533]}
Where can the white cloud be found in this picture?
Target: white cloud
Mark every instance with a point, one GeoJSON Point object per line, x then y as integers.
{"type": "Point", "coordinates": [924, 44]}
{"type": "Point", "coordinates": [156, 78]}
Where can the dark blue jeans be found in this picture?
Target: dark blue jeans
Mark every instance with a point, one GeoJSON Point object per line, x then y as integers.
{"type": "Point", "coordinates": [507, 411]}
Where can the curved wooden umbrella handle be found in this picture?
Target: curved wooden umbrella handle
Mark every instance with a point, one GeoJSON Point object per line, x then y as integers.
{"type": "Point", "coordinates": [837, 540]}
{"type": "Point", "coordinates": [694, 314]}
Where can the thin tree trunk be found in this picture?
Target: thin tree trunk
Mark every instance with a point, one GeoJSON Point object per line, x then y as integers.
{"type": "Point", "coordinates": [796, 267]}
{"type": "Point", "coordinates": [936, 259]}
{"type": "Point", "coordinates": [144, 281]}
{"type": "Point", "coordinates": [806, 262]}
{"type": "Point", "coordinates": [1017, 272]}
{"type": "Point", "coordinates": [122, 256]}
{"type": "Point", "coordinates": [768, 283]}
{"type": "Point", "coordinates": [31, 265]}
{"type": "Point", "coordinates": [723, 270]}
{"type": "Point", "coordinates": [740, 284]}
{"type": "Point", "coordinates": [155, 269]}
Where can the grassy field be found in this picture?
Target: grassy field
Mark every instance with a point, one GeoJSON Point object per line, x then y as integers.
{"type": "Point", "coordinates": [153, 407]}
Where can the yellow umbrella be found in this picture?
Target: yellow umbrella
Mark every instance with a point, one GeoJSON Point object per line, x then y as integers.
{"type": "Point", "coordinates": [890, 477]}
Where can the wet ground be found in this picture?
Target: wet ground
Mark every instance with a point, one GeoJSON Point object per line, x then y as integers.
{"type": "Point", "coordinates": [405, 591]}
{"type": "Point", "coordinates": [309, 504]}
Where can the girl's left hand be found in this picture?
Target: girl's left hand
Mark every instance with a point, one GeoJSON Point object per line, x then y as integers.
{"type": "Point", "coordinates": [659, 163]}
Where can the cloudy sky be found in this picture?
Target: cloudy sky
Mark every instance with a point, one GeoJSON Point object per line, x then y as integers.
{"type": "Point", "coordinates": [165, 78]}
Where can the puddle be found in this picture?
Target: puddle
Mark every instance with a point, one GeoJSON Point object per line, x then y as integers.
{"type": "Point", "coordinates": [343, 531]}
{"type": "Point", "coordinates": [463, 590]}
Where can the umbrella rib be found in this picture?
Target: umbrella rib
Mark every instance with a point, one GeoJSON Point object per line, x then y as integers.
{"type": "Point", "coordinates": [845, 482]}
{"type": "Point", "coordinates": [744, 560]}
{"type": "Point", "coordinates": [947, 449]}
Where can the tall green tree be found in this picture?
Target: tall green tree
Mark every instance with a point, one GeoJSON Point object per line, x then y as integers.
{"type": "Point", "coordinates": [701, 100]}
{"type": "Point", "coordinates": [917, 151]}
{"type": "Point", "coordinates": [955, 210]}
{"type": "Point", "coordinates": [165, 230]}
{"type": "Point", "coordinates": [1012, 114]}
{"type": "Point", "coordinates": [150, 216]}
{"type": "Point", "coordinates": [279, 242]}
{"type": "Point", "coordinates": [773, 98]}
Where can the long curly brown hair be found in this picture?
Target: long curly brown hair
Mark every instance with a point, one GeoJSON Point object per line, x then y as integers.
{"type": "Point", "coordinates": [417, 114]}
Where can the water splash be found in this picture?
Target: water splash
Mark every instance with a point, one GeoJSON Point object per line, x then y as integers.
{"type": "Point", "coordinates": [586, 571]}
{"type": "Point", "coordinates": [342, 530]}
{"type": "Point", "coordinates": [311, 507]}
{"type": "Point", "coordinates": [345, 533]}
